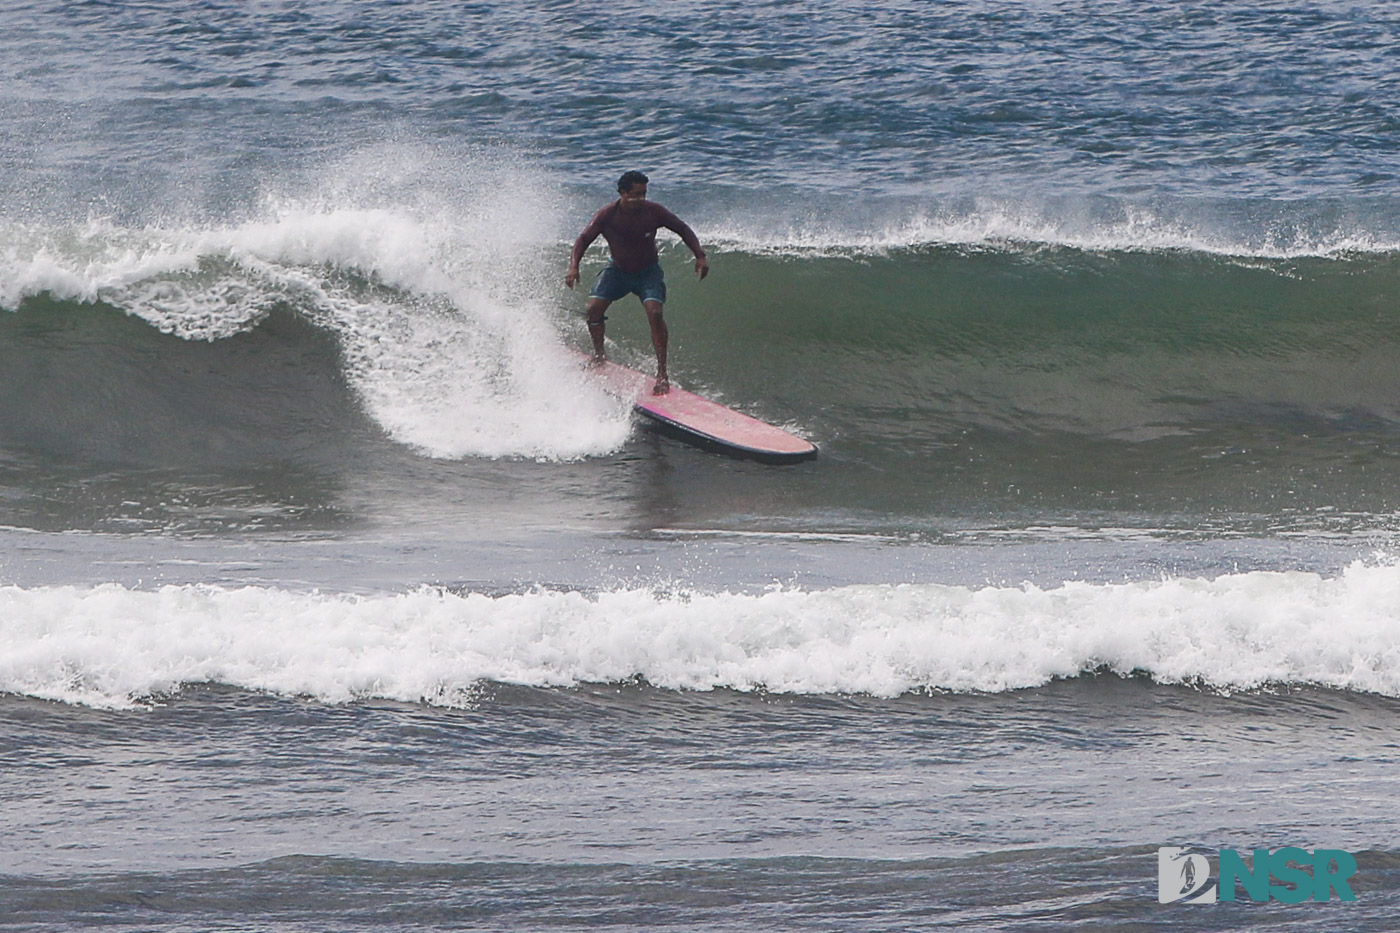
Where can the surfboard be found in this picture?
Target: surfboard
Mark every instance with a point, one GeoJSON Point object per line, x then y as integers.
{"type": "Point", "coordinates": [699, 420]}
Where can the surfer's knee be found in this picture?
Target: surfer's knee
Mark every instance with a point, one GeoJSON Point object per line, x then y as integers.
{"type": "Point", "coordinates": [597, 312]}
{"type": "Point", "coordinates": [654, 309]}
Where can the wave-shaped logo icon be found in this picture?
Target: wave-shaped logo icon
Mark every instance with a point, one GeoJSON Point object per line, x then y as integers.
{"type": "Point", "coordinates": [1183, 876]}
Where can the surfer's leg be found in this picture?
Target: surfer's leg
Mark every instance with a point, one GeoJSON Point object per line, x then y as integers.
{"type": "Point", "coordinates": [597, 308]}
{"type": "Point", "coordinates": [659, 337]}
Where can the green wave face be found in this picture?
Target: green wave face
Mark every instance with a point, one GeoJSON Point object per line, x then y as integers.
{"type": "Point", "coordinates": [946, 387]}
{"type": "Point", "coordinates": [1167, 381]}
{"type": "Point", "coordinates": [1128, 346]}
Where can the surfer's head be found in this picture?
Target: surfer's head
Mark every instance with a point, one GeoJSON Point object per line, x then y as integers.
{"type": "Point", "coordinates": [629, 180]}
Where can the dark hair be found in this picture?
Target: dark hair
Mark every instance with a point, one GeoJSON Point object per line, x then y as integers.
{"type": "Point", "coordinates": [628, 179]}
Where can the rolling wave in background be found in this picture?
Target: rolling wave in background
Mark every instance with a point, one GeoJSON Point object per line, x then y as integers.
{"type": "Point", "coordinates": [113, 646]}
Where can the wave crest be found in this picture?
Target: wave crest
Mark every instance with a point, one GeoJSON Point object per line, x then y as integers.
{"type": "Point", "coordinates": [111, 646]}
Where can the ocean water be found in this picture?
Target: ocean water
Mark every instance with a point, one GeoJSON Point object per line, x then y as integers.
{"type": "Point", "coordinates": [334, 595]}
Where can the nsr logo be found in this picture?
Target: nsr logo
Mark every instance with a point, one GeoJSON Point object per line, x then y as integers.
{"type": "Point", "coordinates": [1184, 877]}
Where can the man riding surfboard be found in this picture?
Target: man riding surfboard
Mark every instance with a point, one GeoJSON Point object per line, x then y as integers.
{"type": "Point", "coordinates": [629, 226]}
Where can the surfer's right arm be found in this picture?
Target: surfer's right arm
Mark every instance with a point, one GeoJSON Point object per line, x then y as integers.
{"type": "Point", "coordinates": [585, 239]}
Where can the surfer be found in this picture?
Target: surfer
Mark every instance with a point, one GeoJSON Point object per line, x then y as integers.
{"type": "Point", "coordinates": [629, 224]}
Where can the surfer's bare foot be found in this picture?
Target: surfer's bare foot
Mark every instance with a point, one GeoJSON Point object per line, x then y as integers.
{"type": "Point", "coordinates": [662, 386]}
{"type": "Point", "coordinates": [597, 359]}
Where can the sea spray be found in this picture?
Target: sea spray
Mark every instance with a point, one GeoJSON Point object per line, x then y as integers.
{"type": "Point", "coordinates": [431, 275]}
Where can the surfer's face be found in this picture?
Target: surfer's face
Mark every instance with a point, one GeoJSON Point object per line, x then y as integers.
{"type": "Point", "coordinates": [634, 196]}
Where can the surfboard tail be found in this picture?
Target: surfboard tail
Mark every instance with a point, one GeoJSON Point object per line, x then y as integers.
{"type": "Point", "coordinates": [701, 421]}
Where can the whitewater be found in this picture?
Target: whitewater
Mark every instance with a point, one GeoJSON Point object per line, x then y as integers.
{"type": "Point", "coordinates": [114, 647]}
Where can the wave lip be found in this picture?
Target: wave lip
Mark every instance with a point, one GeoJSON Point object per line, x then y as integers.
{"type": "Point", "coordinates": [1261, 231]}
{"type": "Point", "coordinates": [111, 646]}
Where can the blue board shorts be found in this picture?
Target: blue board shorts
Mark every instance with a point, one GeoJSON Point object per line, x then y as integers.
{"type": "Point", "coordinates": [649, 284]}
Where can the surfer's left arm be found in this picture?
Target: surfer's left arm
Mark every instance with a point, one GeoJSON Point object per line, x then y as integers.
{"type": "Point", "coordinates": [682, 229]}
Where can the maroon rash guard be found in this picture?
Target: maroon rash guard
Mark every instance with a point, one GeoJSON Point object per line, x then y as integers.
{"type": "Point", "coordinates": [631, 234]}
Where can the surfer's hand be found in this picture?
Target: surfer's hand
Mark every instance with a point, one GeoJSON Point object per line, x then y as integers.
{"type": "Point", "coordinates": [571, 277]}
{"type": "Point", "coordinates": [702, 267]}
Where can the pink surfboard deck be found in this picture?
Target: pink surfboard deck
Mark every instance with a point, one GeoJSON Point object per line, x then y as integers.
{"type": "Point", "coordinates": [701, 421]}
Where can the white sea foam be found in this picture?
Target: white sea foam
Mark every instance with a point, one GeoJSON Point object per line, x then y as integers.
{"type": "Point", "coordinates": [1103, 227]}
{"type": "Point", "coordinates": [110, 646]}
{"type": "Point", "coordinates": [429, 271]}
